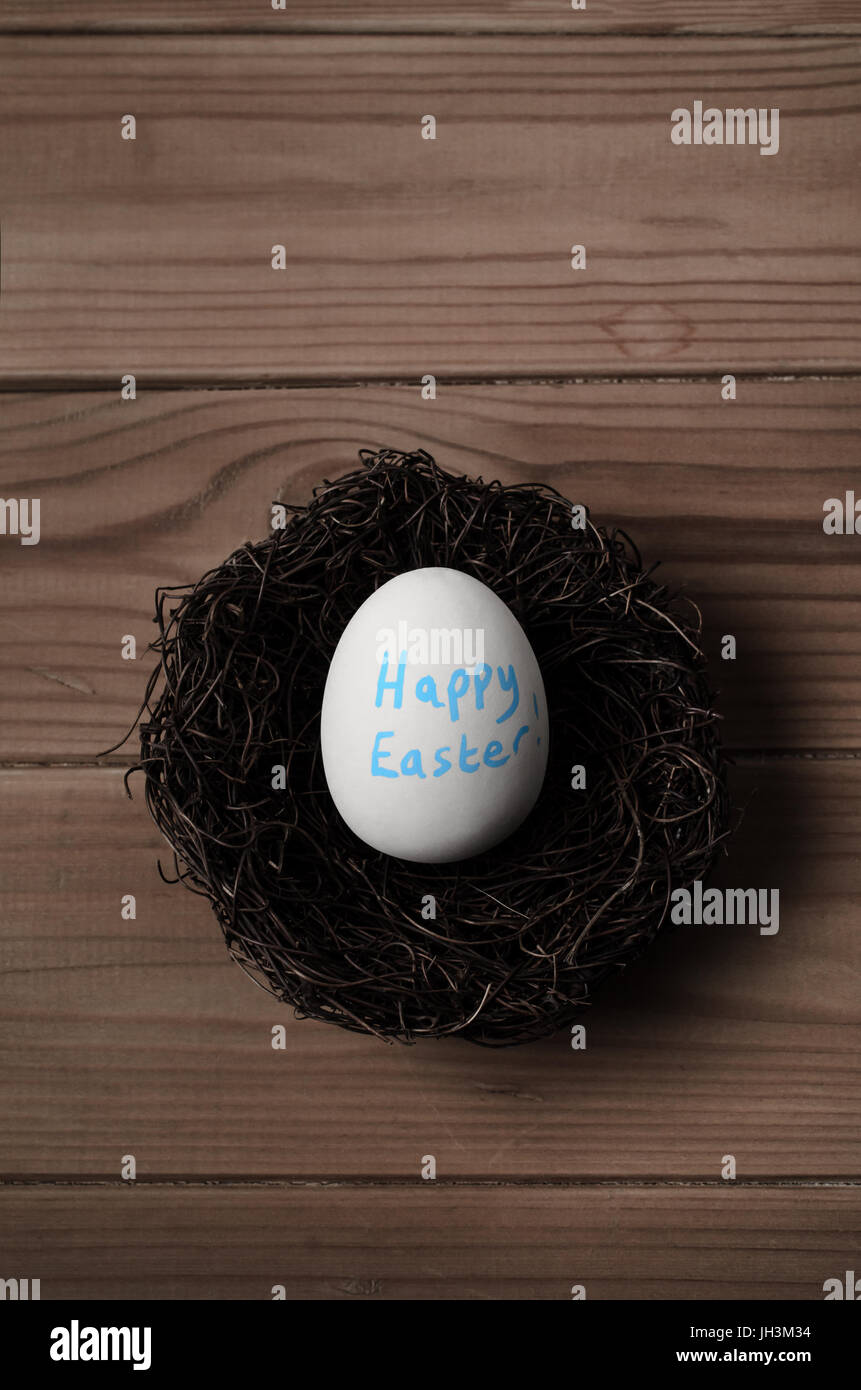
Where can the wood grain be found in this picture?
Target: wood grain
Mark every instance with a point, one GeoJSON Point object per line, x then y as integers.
{"type": "Point", "coordinates": [431, 1243]}
{"type": "Point", "coordinates": [142, 1037]}
{"type": "Point", "coordinates": [408, 256]}
{"type": "Point", "coordinates": [447, 16]}
{"type": "Point", "coordinates": [301, 1167]}
{"type": "Point", "coordinates": [155, 491]}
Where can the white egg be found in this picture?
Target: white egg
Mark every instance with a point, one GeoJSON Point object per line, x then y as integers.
{"type": "Point", "coordinates": [434, 730]}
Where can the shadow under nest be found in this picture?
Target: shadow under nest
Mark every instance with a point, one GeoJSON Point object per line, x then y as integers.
{"type": "Point", "coordinates": [523, 932]}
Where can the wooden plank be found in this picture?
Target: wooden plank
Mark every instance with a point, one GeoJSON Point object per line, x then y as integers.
{"type": "Point", "coordinates": [728, 495]}
{"type": "Point", "coordinates": [446, 16]}
{"type": "Point", "coordinates": [142, 1037]}
{"type": "Point", "coordinates": [408, 256]}
{"type": "Point", "coordinates": [431, 1243]}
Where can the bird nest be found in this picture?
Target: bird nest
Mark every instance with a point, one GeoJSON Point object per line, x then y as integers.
{"type": "Point", "coordinates": [521, 934]}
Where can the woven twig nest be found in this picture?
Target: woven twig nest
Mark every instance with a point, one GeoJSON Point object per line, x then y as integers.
{"type": "Point", "coordinates": [523, 932]}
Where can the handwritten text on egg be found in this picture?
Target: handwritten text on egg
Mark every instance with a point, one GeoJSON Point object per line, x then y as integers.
{"type": "Point", "coordinates": [456, 690]}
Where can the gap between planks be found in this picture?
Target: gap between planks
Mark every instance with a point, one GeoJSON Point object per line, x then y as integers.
{"type": "Point", "coordinates": [55, 385]}
{"type": "Point", "coordinates": [743, 757]}
{"type": "Point", "coordinates": [169, 1180]}
{"type": "Point", "coordinates": [192, 28]}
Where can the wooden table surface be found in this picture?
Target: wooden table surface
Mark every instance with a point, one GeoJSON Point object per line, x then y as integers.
{"type": "Point", "coordinates": [301, 1167]}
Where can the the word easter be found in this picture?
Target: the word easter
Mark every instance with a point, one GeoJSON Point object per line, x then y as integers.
{"type": "Point", "coordinates": [735, 126]}
{"type": "Point", "coordinates": [411, 763]}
